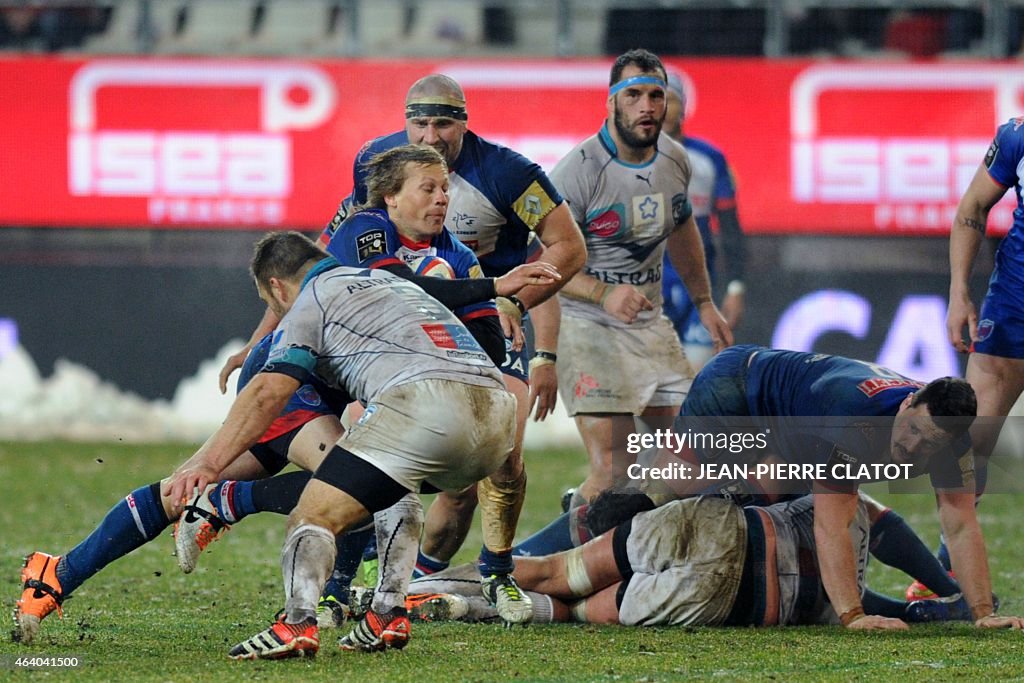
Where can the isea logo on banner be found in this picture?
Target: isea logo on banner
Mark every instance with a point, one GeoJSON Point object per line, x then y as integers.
{"type": "Point", "coordinates": [170, 132]}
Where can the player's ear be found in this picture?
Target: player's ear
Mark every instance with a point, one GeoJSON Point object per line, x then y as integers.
{"type": "Point", "coordinates": [275, 288]}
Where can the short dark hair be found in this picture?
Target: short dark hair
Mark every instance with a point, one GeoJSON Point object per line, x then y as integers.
{"type": "Point", "coordinates": [951, 403]}
{"type": "Point", "coordinates": [645, 60]}
{"type": "Point", "coordinates": [282, 255]}
{"type": "Point", "coordinates": [385, 172]}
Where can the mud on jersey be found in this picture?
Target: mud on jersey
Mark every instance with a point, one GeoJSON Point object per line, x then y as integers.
{"type": "Point", "coordinates": [365, 331]}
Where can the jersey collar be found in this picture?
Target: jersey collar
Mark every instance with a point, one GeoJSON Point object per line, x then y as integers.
{"type": "Point", "coordinates": [605, 136]}
{"type": "Point", "coordinates": [321, 266]}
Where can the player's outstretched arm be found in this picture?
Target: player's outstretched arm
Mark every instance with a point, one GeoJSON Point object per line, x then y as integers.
{"type": "Point", "coordinates": [624, 302]}
{"type": "Point", "coordinates": [969, 558]}
{"type": "Point", "coordinates": [965, 238]}
{"type": "Point", "coordinates": [833, 513]}
{"type": "Point", "coordinates": [252, 412]}
{"type": "Point", "coordinates": [535, 274]}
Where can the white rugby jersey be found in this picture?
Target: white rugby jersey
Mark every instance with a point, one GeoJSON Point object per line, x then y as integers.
{"type": "Point", "coordinates": [626, 212]}
{"type": "Point", "coordinates": [365, 331]}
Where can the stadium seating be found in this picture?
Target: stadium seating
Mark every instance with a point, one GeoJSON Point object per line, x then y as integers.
{"type": "Point", "coordinates": [218, 27]}
{"type": "Point", "coordinates": [126, 32]}
{"type": "Point", "coordinates": [302, 27]}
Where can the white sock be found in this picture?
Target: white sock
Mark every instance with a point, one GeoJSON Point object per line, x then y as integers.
{"type": "Point", "coordinates": [306, 561]}
{"type": "Point", "coordinates": [398, 539]}
{"type": "Point", "coordinates": [543, 608]}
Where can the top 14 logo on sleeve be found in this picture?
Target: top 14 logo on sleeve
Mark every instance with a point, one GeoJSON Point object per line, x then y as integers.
{"type": "Point", "coordinates": [192, 163]}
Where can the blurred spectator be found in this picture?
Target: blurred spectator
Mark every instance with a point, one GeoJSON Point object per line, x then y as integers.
{"type": "Point", "coordinates": [31, 28]}
{"type": "Point", "coordinates": [845, 31]}
{"type": "Point", "coordinates": [919, 33]}
{"type": "Point", "coordinates": [499, 26]}
{"type": "Point", "coordinates": [686, 31]}
{"type": "Point", "coordinates": [965, 29]}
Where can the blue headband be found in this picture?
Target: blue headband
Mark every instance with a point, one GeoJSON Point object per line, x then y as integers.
{"type": "Point", "coordinates": [636, 80]}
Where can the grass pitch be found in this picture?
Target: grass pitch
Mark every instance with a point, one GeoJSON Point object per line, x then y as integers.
{"type": "Point", "coordinates": [140, 619]}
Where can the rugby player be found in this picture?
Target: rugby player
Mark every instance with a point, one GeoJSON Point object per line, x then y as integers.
{"type": "Point", "coordinates": [866, 413]}
{"type": "Point", "coordinates": [627, 188]}
{"type": "Point", "coordinates": [995, 336]}
{"type": "Point", "coordinates": [388, 344]}
{"type": "Point", "coordinates": [712, 194]}
{"type": "Point", "coordinates": [699, 561]}
{"type": "Point", "coordinates": [302, 433]}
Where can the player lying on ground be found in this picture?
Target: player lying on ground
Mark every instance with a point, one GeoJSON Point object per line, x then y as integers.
{"type": "Point", "coordinates": [861, 414]}
{"type": "Point", "coordinates": [695, 562]}
{"type": "Point", "coordinates": [893, 542]}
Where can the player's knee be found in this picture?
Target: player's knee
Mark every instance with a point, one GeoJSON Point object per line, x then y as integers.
{"type": "Point", "coordinates": [511, 469]}
{"type": "Point", "coordinates": [458, 501]}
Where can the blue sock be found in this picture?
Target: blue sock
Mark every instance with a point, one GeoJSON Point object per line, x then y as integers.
{"type": "Point", "coordinates": [426, 565]}
{"type": "Point", "coordinates": [370, 551]}
{"type": "Point", "coordinates": [495, 563]}
{"type": "Point", "coordinates": [133, 522]}
{"type": "Point", "coordinates": [346, 563]}
{"type": "Point", "coordinates": [882, 605]}
{"type": "Point", "coordinates": [894, 543]}
{"type": "Point", "coordinates": [233, 500]}
{"type": "Point", "coordinates": [553, 538]}
{"type": "Point", "coordinates": [943, 555]}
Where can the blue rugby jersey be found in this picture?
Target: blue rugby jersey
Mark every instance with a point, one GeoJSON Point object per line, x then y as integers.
{"type": "Point", "coordinates": [368, 239]}
{"type": "Point", "coordinates": [497, 198]}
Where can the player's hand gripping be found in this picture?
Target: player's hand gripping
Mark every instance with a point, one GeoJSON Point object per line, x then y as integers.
{"type": "Point", "coordinates": [625, 302]}
{"type": "Point", "coordinates": [186, 481]}
{"type": "Point", "coordinates": [536, 273]}
{"type": "Point", "coordinates": [961, 312]}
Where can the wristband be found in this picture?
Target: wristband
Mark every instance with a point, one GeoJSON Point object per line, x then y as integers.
{"type": "Point", "coordinates": [982, 610]}
{"type": "Point", "coordinates": [538, 361]}
{"type": "Point", "coordinates": [546, 355]}
{"type": "Point", "coordinates": [701, 300]}
{"type": "Point", "coordinates": [604, 295]}
{"type": "Point", "coordinates": [736, 288]}
{"type": "Point", "coordinates": [519, 304]}
{"type": "Point", "coordinates": [851, 615]}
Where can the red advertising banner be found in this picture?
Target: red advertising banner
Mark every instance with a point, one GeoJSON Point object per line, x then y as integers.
{"type": "Point", "coordinates": [841, 148]}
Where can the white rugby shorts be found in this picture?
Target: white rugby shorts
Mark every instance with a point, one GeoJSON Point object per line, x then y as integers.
{"type": "Point", "coordinates": [440, 431]}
